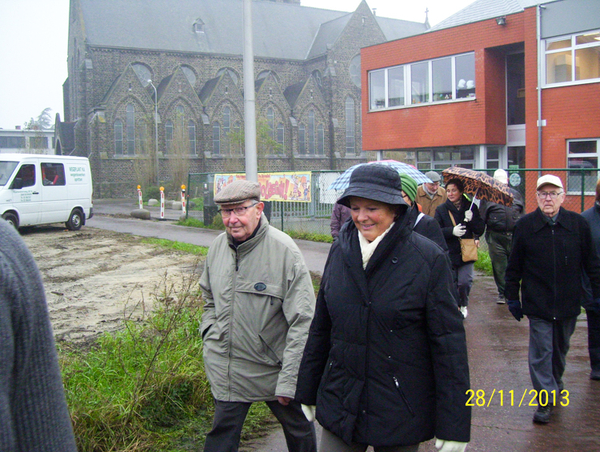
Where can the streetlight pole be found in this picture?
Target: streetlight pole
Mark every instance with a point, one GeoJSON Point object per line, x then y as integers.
{"type": "Point", "coordinates": [155, 127]}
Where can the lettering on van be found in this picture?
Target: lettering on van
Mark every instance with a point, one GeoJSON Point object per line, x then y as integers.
{"type": "Point", "coordinates": [77, 173]}
{"type": "Point", "coordinates": [26, 197]}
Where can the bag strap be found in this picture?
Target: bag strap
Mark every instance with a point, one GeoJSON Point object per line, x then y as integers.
{"type": "Point", "coordinates": [452, 218]}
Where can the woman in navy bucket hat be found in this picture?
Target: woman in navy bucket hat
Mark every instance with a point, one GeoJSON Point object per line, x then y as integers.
{"type": "Point", "coordinates": [385, 363]}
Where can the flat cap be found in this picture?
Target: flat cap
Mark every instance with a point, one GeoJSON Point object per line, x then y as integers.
{"type": "Point", "coordinates": [433, 175]}
{"type": "Point", "coordinates": [238, 191]}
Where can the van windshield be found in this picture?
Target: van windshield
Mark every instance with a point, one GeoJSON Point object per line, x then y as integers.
{"type": "Point", "coordinates": [6, 170]}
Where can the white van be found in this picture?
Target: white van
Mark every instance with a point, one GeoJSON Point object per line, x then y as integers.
{"type": "Point", "coordinates": [42, 189]}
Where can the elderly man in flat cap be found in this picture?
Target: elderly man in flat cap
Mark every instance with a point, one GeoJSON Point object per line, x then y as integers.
{"type": "Point", "coordinates": [259, 303]}
{"type": "Point", "coordinates": [431, 195]}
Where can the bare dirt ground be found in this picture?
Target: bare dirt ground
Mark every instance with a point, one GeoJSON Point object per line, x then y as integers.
{"type": "Point", "coordinates": [95, 278]}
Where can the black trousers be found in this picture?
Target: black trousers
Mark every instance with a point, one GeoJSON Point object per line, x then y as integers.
{"type": "Point", "coordinates": [229, 418]}
{"type": "Point", "coordinates": [593, 321]}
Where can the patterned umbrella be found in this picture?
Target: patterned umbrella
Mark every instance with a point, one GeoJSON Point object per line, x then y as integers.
{"type": "Point", "coordinates": [342, 182]}
{"type": "Point", "coordinates": [480, 185]}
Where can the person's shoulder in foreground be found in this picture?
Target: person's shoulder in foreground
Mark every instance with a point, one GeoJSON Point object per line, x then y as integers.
{"type": "Point", "coordinates": [33, 410]}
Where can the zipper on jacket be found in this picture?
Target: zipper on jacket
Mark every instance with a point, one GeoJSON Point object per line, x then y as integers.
{"type": "Point", "coordinates": [554, 262]}
{"type": "Point", "coordinates": [397, 383]}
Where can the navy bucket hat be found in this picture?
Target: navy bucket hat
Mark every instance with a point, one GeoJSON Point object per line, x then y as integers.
{"type": "Point", "coordinates": [377, 182]}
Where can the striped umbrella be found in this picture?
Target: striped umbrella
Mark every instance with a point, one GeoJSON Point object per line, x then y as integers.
{"type": "Point", "coordinates": [342, 182]}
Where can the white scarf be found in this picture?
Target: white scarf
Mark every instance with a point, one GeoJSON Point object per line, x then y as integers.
{"type": "Point", "coordinates": [368, 248]}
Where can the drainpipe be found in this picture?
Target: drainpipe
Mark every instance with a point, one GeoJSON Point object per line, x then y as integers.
{"type": "Point", "coordinates": [540, 75]}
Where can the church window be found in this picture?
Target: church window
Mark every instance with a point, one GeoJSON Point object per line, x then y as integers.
{"type": "Point", "coordinates": [130, 129]}
{"type": "Point", "coordinates": [118, 137]}
{"type": "Point", "coordinates": [216, 138]}
{"type": "Point", "coordinates": [350, 126]}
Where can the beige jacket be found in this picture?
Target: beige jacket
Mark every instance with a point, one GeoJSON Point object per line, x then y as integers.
{"type": "Point", "coordinates": [428, 205]}
{"type": "Point", "coordinates": [259, 303]}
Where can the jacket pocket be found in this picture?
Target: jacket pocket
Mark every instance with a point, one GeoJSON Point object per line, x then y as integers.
{"type": "Point", "coordinates": [270, 352]}
{"type": "Point", "coordinates": [402, 395]}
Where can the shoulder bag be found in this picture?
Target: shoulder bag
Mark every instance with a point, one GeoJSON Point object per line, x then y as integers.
{"type": "Point", "coordinates": [468, 247]}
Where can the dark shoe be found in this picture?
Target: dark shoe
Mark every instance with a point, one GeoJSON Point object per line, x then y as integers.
{"type": "Point", "coordinates": [595, 375]}
{"type": "Point", "coordinates": [542, 415]}
{"type": "Point", "coordinates": [501, 299]}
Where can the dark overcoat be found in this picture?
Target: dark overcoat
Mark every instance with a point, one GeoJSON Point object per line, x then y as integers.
{"type": "Point", "coordinates": [386, 360]}
{"type": "Point", "coordinates": [546, 264]}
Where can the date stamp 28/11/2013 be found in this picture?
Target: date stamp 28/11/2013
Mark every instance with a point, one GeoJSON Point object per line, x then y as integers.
{"type": "Point", "coordinates": [530, 397]}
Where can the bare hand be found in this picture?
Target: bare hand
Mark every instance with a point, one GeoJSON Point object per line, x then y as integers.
{"type": "Point", "coordinates": [285, 401]}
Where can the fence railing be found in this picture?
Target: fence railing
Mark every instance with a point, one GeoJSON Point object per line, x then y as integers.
{"type": "Point", "coordinates": [314, 216]}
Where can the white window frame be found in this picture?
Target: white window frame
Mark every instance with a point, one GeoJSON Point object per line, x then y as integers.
{"type": "Point", "coordinates": [408, 96]}
{"type": "Point", "coordinates": [574, 187]}
{"type": "Point", "coordinates": [572, 49]}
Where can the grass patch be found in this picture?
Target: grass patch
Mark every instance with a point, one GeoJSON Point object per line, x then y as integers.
{"type": "Point", "coordinates": [484, 263]}
{"type": "Point", "coordinates": [178, 246]}
{"type": "Point", "coordinates": [195, 223]}
{"type": "Point", "coordinates": [312, 236]}
{"type": "Point", "coordinates": [144, 388]}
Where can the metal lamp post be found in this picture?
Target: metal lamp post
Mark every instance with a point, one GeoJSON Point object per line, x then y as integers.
{"type": "Point", "coordinates": [155, 126]}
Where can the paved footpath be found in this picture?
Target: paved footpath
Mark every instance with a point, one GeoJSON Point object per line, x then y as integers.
{"type": "Point", "coordinates": [497, 347]}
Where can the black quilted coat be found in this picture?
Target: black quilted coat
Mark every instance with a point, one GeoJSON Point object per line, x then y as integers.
{"type": "Point", "coordinates": [386, 358]}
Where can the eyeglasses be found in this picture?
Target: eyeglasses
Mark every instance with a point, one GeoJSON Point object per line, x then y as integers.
{"type": "Point", "coordinates": [239, 211]}
{"type": "Point", "coordinates": [551, 194]}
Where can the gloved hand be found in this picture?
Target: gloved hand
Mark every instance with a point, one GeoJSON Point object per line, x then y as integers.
{"type": "Point", "coordinates": [468, 215]}
{"type": "Point", "coordinates": [514, 306]}
{"type": "Point", "coordinates": [450, 446]}
{"type": "Point", "coordinates": [309, 411]}
{"type": "Point", "coordinates": [459, 230]}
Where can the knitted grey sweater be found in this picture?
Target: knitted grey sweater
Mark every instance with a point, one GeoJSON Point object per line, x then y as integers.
{"type": "Point", "coordinates": [33, 409]}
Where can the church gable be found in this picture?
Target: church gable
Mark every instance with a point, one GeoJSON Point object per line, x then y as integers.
{"type": "Point", "coordinates": [220, 88]}
{"type": "Point", "coordinates": [179, 92]}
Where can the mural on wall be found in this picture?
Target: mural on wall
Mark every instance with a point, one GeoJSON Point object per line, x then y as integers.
{"type": "Point", "coordinates": [280, 186]}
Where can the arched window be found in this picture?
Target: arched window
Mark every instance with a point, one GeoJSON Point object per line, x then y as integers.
{"type": "Point", "coordinates": [169, 135]}
{"type": "Point", "coordinates": [179, 129]}
{"type": "Point", "coordinates": [216, 138]}
{"type": "Point", "coordinates": [231, 73]}
{"type": "Point", "coordinates": [130, 129]}
{"type": "Point", "coordinates": [226, 120]}
{"type": "Point", "coordinates": [271, 122]}
{"type": "Point", "coordinates": [118, 137]}
{"type": "Point", "coordinates": [320, 140]}
{"type": "Point", "coordinates": [189, 74]}
{"type": "Point", "coordinates": [237, 130]}
{"type": "Point", "coordinates": [311, 132]}
{"type": "Point", "coordinates": [301, 139]}
{"type": "Point", "coordinates": [192, 137]}
{"type": "Point", "coordinates": [350, 126]}
{"type": "Point", "coordinates": [281, 137]}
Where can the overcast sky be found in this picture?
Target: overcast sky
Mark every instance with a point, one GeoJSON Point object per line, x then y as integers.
{"type": "Point", "coordinates": [33, 47]}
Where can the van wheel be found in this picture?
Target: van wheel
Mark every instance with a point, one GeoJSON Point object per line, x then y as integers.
{"type": "Point", "coordinates": [75, 220]}
{"type": "Point", "coordinates": [12, 219]}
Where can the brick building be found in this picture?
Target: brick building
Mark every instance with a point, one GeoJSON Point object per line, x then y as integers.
{"type": "Point", "coordinates": [466, 92]}
{"type": "Point", "coordinates": [186, 56]}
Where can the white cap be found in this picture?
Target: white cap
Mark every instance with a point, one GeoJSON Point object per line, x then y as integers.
{"type": "Point", "coordinates": [501, 176]}
{"type": "Point", "coordinates": [549, 179]}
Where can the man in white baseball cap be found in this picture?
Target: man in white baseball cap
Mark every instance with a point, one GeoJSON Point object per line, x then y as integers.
{"type": "Point", "coordinates": [551, 249]}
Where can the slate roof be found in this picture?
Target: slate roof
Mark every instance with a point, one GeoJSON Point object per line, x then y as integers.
{"type": "Point", "coordinates": [281, 30]}
{"type": "Point", "coordinates": [485, 9]}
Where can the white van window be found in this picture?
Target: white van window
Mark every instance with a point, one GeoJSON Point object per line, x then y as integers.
{"type": "Point", "coordinates": [6, 170]}
{"type": "Point", "coordinates": [27, 176]}
{"type": "Point", "coordinates": [53, 174]}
